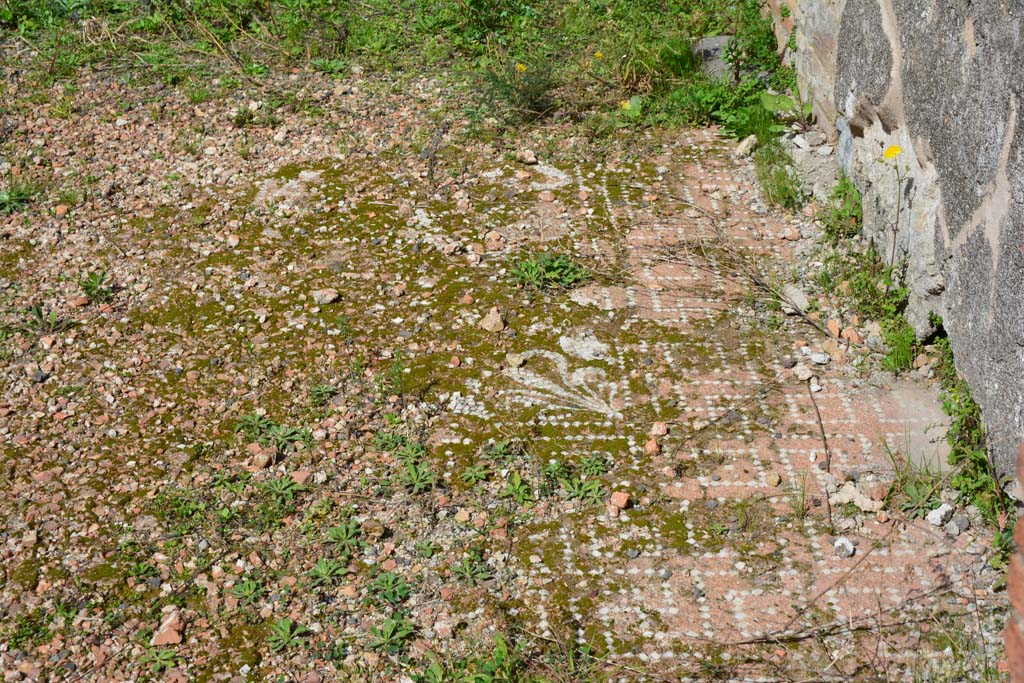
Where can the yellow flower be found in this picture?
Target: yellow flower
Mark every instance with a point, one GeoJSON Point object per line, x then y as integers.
{"type": "Point", "coordinates": [892, 151]}
{"type": "Point", "coordinates": [626, 105]}
{"type": "Point", "coordinates": [521, 68]}
{"type": "Point", "coordinates": [598, 55]}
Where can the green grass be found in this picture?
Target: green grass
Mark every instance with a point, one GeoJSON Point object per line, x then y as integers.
{"type": "Point", "coordinates": [974, 476]}
{"type": "Point", "coordinates": [15, 196]}
{"type": "Point", "coordinates": [531, 57]}
{"type": "Point", "coordinates": [28, 628]}
{"type": "Point", "coordinates": [777, 177]}
{"type": "Point", "coordinates": [843, 217]}
{"type": "Point", "coordinates": [547, 271]}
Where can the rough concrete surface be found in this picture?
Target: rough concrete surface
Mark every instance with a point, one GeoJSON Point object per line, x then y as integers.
{"type": "Point", "coordinates": [943, 81]}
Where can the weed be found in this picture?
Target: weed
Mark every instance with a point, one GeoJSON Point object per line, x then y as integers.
{"type": "Point", "coordinates": [183, 508]}
{"type": "Point", "coordinates": [587, 490]}
{"type": "Point", "coordinates": [284, 438]}
{"type": "Point", "coordinates": [321, 395]}
{"type": "Point", "coordinates": [843, 217]}
{"type": "Point", "coordinates": [285, 633]}
{"type": "Point", "coordinates": [326, 572]}
{"type": "Point", "coordinates": [472, 569]}
{"type": "Point", "coordinates": [504, 452]}
{"type": "Point", "coordinates": [331, 67]}
{"type": "Point", "coordinates": [800, 502]}
{"type": "Point", "coordinates": [94, 286]}
{"type": "Point", "coordinates": [630, 112]}
{"type": "Point", "coordinates": [247, 592]}
{"type": "Point", "coordinates": [778, 178]}
{"type": "Point", "coordinates": [518, 490]}
{"type": "Point", "coordinates": [29, 628]}
{"type": "Point", "coordinates": [393, 635]}
{"type": "Point", "coordinates": [426, 549]}
{"type": "Point", "coordinates": [282, 490]}
{"type": "Point", "coordinates": [901, 341]}
{"type": "Point", "coordinates": [417, 478]}
{"type": "Point", "coordinates": [753, 119]}
{"type": "Point", "coordinates": [595, 464]}
{"type": "Point", "coordinates": [410, 452]}
{"type": "Point", "coordinates": [159, 660]}
{"type": "Point", "coordinates": [253, 425]}
{"type": "Point", "coordinates": [39, 321]}
{"type": "Point", "coordinates": [390, 588]}
{"type": "Point", "coordinates": [389, 440]}
{"type": "Point", "coordinates": [142, 570]}
{"type": "Point", "coordinates": [474, 474]}
{"type": "Point", "coordinates": [974, 477]}
{"type": "Point", "coordinates": [549, 271]}
{"type": "Point", "coordinates": [914, 490]}
{"type": "Point", "coordinates": [346, 537]}
{"type": "Point", "coordinates": [15, 196]}
{"type": "Point", "coordinates": [753, 47]}
{"type": "Point", "coordinates": [500, 665]}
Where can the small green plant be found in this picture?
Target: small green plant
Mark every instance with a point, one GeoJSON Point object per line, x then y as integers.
{"type": "Point", "coordinates": [753, 119]}
{"type": "Point", "coordinates": [94, 286]}
{"type": "Point", "coordinates": [427, 549]}
{"type": "Point", "coordinates": [587, 490]}
{"type": "Point", "coordinates": [901, 341]}
{"type": "Point", "coordinates": [504, 452]}
{"type": "Point", "coordinates": [548, 271]}
{"type": "Point", "coordinates": [159, 660]}
{"type": "Point", "coordinates": [474, 474]}
{"type": "Point", "coordinates": [285, 633]}
{"type": "Point", "coordinates": [253, 425]}
{"type": "Point", "coordinates": [15, 196]}
{"type": "Point", "coordinates": [799, 500]}
{"type": "Point", "coordinates": [630, 112]}
{"type": "Point", "coordinates": [321, 395]}
{"type": "Point", "coordinates": [518, 490]}
{"type": "Point", "coordinates": [519, 91]}
{"type": "Point", "coordinates": [973, 475]}
{"type": "Point", "coordinates": [39, 321]}
{"type": "Point", "coordinates": [346, 537]}
{"type": "Point", "coordinates": [326, 572]}
{"type": "Point", "coordinates": [914, 490]}
{"type": "Point", "coordinates": [595, 465]}
{"type": "Point", "coordinates": [417, 478]}
{"type": "Point", "coordinates": [142, 570]}
{"type": "Point", "coordinates": [386, 440]}
{"type": "Point", "coordinates": [331, 67]}
{"type": "Point", "coordinates": [472, 569]}
{"type": "Point", "coordinates": [30, 628]}
{"type": "Point", "coordinates": [284, 438]}
{"type": "Point", "coordinates": [390, 588]}
{"type": "Point", "coordinates": [778, 177]}
{"type": "Point", "coordinates": [282, 490]}
{"type": "Point", "coordinates": [843, 217]}
{"type": "Point", "coordinates": [410, 452]}
{"type": "Point", "coordinates": [393, 635]}
{"type": "Point", "coordinates": [248, 592]}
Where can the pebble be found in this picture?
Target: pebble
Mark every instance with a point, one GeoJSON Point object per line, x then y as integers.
{"type": "Point", "coordinates": [843, 547]}
{"type": "Point", "coordinates": [802, 372]}
{"type": "Point", "coordinates": [492, 322]}
{"type": "Point", "coordinates": [526, 157]}
{"type": "Point", "coordinates": [322, 297]}
{"type": "Point", "coordinates": [963, 522]}
{"type": "Point", "coordinates": [940, 515]}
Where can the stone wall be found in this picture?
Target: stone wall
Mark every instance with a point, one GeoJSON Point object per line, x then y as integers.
{"type": "Point", "coordinates": [945, 81]}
